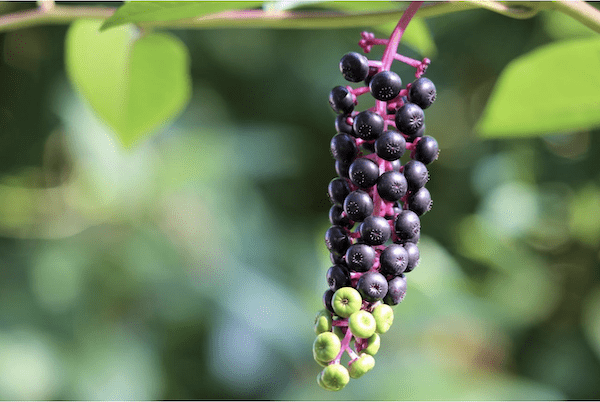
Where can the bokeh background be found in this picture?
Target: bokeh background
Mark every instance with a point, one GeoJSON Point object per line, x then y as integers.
{"type": "Point", "coordinates": [192, 266]}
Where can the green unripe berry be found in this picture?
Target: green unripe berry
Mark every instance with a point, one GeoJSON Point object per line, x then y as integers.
{"type": "Point", "coordinates": [335, 377]}
{"type": "Point", "coordinates": [384, 317]}
{"type": "Point", "coordinates": [322, 364]}
{"type": "Point", "coordinates": [323, 321]}
{"type": "Point", "coordinates": [374, 343]}
{"type": "Point", "coordinates": [362, 365]}
{"type": "Point", "coordinates": [346, 301]}
{"type": "Point", "coordinates": [326, 347]}
{"type": "Point", "coordinates": [362, 324]}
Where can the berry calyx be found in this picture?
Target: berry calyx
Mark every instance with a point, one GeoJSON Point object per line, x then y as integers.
{"type": "Point", "coordinates": [354, 67]}
{"type": "Point", "coordinates": [346, 301]}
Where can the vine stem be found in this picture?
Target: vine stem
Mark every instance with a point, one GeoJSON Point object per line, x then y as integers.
{"type": "Point", "coordinates": [59, 14]}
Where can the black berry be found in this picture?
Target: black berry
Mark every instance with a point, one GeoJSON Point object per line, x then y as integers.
{"type": "Point", "coordinates": [409, 119]}
{"type": "Point", "coordinates": [422, 92]}
{"type": "Point", "coordinates": [368, 125]}
{"type": "Point", "coordinates": [343, 147]}
{"type": "Point", "coordinates": [341, 100]}
{"type": "Point", "coordinates": [338, 189]}
{"type": "Point", "coordinates": [358, 205]}
{"type": "Point", "coordinates": [364, 172]}
{"type": "Point", "coordinates": [342, 167]}
{"type": "Point", "coordinates": [426, 150]}
{"type": "Point", "coordinates": [385, 85]}
{"type": "Point", "coordinates": [391, 186]}
{"type": "Point", "coordinates": [407, 225]}
{"type": "Point", "coordinates": [337, 276]}
{"type": "Point", "coordinates": [338, 218]}
{"type": "Point", "coordinates": [354, 67]}
{"type": "Point", "coordinates": [416, 174]}
{"type": "Point", "coordinates": [360, 257]}
{"type": "Point", "coordinates": [375, 230]}
{"type": "Point", "coordinates": [337, 240]}
{"type": "Point", "coordinates": [327, 296]}
{"type": "Point", "coordinates": [372, 286]}
{"type": "Point", "coordinates": [396, 290]}
{"type": "Point", "coordinates": [413, 256]}
{"type": "Point", "coordinates": [342, 126]}
{"type": "Point", "coordinates": [390, 146]}
{"type": "Point", "coordinates": [393, 260]}
{"type": "Point", "coordinates": [420, 201]}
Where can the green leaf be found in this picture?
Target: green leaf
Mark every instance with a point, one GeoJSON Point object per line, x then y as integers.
{"type": "Point", "coordinates": [552, 89]}
{"type": "Point", "coordinates": [134, 84]}
{"type": "Point", "coordinates": [142, 11]}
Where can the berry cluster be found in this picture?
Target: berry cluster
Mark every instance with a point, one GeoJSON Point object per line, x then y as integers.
{"type": "Point", "coordinates": [377, 202]}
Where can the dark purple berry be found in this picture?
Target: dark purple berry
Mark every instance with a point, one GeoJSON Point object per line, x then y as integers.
{"type": "Point", "coordinates": [385, 85]}
{"type": "Point", "coordinates": [409, 119]}
{"type": "Point", "coordinates": [422, 92]}
{"type": "Point", "coordinates": [375, 230]}
{"type": "Point", "coordinates": [342, 126]}
{"type": "Point", "coordinates": [372, 286]}
{"type": "Point", "coordinates": [396, 290]}
{"type": "Point", "coordinates": [360, 257]}
{"type": "Point", "coordinates": [342, 167]}
{"type": "Point", "coordinates": [341, 100]}
{"type": "Point", "coordinates": [407, 225]}
{"type": "Point", "coordinates": [391, 186]}
{"type": "Point", "coordinates": [338, 189]}
{"type": "Point", "coordinates": [416, 174]}
{"type": "Point", "coordinates": [327, 296]}
{"type": "Point", "coordinates": [372, 71]}
{"type": "Point", "coordinates": [337, 240]}
{"type": "Point", "coordinates": [390, 146]}
{"type": "Point", "coordinates": [364, 172]}
{"type": "Point", "coordinates": [393, 260]}
{"type": "Point", "coordinates": [358, 205]}
{"type": "Point", "coordinates": [413, 256]}
{"type": "Point", "coordinates": [338, 276]}
{"type": "Point", "coordinates": [426, 150]}
{"type": "Point", "coordinates": [420, 201]}
{"type": "Point", "coordinates": [368, 125]}
{"type": "Point", "coordinates": [396, 165]}
{"type": "Point", "coordinates": [354, 67]}
{"type": "Point", "coordinates": [338, 218]}
{"type": "Point", "coordinates": [420, 132]}
{"type": "Point", "coordinates": [336, 259]}
{"type": "Point", "coordinates": [343, 147]}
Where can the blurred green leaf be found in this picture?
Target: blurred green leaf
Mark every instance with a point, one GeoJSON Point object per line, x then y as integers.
{"type": "Point", "coordinates": [561, 26]}
{"type": "Point", "coordinates": [134, 84]}
{"type": "Point", "coordinates": [141, 11]}
{"type": "Point", "coordinates": [551, 89]}
{"type": "Point", "coordinates": [584, 211]}
{"type": "Point", "coordinates": [417, 36]}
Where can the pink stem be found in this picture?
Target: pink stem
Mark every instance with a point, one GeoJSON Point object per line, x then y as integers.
{"type": "Point", "coordinates": [392, 47]}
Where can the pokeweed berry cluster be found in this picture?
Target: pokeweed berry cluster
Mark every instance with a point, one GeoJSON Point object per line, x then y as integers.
{"type": "Point", "coordinates": [377, 202]}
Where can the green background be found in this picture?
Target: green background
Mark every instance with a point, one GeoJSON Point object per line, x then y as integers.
{"type": "Point", "coordinates": [191, 265]}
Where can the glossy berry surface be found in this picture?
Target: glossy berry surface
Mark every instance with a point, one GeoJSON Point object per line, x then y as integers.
{"type": "Point", "coordinates": [337, 276]}
{"type": "Point", "coordinates": [426, 150]}
{"type": "Point", "coordinates": [341, 100]}
{"type": "Point", "coordinates": [360, 257]}
{"type": "Point", "coordinates": [390, 145]}
{"type": "Point", "coordinates": [391, 186]}
{"type": "Point", "coordinates": [337, 217]}
{"type": "Point", "coordinates": [420, 201]}
{"type": "Point", "coordinates": [338, 189]}
{"type": "Point", "coordinates": [407, 225]}
{"type": "Point", "coordinates": [413, 256]}
{"type": "Point", "coordinates": [354, 67]}
{"type": "Point", "coordinates": [409, 119]}
{"type": "Point", "coordinates": [385, 85]}
{"type": "Point", "coordinates": [396, 290]}
{"type": "Point", "coordinates": [343, 147]}
{"type": "Point", "coordinates": [416, 174]}
{"type": "Point", "coordinates": [337, 240]}
{"type": "Point", "coordinates": [342, 125]}
{"type": "Point", "coordinates": [358, 205]}
{"type": "Point", "coordinates": [364, 172]}
{"type": "Point", "coordinates": [375, 230]}
{"type": "Point", "coordinates": [422, 92]}
{"type": "Point", "coordinates": [393, 260]}
{"type": "Point", "coordinates": [372, 286]}
{"type": "Point", "coordinates": [368, 125]}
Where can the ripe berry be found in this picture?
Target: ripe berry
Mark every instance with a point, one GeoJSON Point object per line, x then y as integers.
{"type": "Point", "coordinates": [372, 71]}
{"type": "Point", "coordinates": [372, 286]}
{"type": "Point", "coordinates": [341, 100]}
{"type": "Point", "coordinates": [375, 230]}
{"type": "Point", "coordinates": [420, 201]}
{"type": "Point", "coordinates": [385, 85]}
{"type": "Point", "coordinates": [327, 298]}
{"type": "Point", "coordinates": [391, 186]}
{"type": "Point", "coordinates": [413, 256]}
{"type": "Point", "coordinates": [360, 257]}
{"type": "Point", "coordinates": [393, 260]}
{"type": "Point", "coordinates": [422, 92]}
{"type": "Point", "coordinates": [343, 147]}
{"type": "Point", "coordinates": [358, 205]}
{"type": "Point", "coordinates": [396, 290]}
{"type": "Point", "coordinates": [338, 189]}
{"type": "Point", "coordinates": [407, 225]}
{"type": "Point", "coordinates": [390, 146]}
{"type": "Point", "coordinates": [337, 276]}
{"type": "Point", "coordinates": [342, 126]}
{"type": "Point", "coordinates": [364, 172]}
{"type": "Point", "coordinates": [368, 125]}
{"type": "Point", "coordinates": [409, 119]}
{"type": "Point", "coordinates": [354, 67]}
{"type": "Point", "coordinates": [337, 240]}
{"type": "Point", "coordinates": [416, 174]}
{"type": "Point", "coordinates": [341, 168]}
{"type": "Point", "coordinates": [426, 150]}
{"type": "Point", "coordinates": [337, 218]}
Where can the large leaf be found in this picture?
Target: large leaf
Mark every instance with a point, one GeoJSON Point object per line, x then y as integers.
{"type": "Point", "coordinates": [141, 11]}
{"type": "Point", "coordinates": [134, 84]}
{"type": "Point", "coordinates": [553, 89]}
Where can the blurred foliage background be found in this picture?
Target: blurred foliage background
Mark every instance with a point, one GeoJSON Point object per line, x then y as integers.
{"type": "Point", "coordinates": [191, 266]}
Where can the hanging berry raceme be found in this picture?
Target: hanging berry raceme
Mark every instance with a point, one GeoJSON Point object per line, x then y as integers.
{"type": "Point", "coordinates": [377, 204]}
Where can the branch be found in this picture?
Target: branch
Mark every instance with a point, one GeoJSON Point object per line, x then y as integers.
{"type": "Point", "coordinates": [49, 13]}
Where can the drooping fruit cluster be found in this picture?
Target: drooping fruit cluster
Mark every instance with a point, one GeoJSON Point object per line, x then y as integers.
{"type": "Point", "coordinates": [377, 201]}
